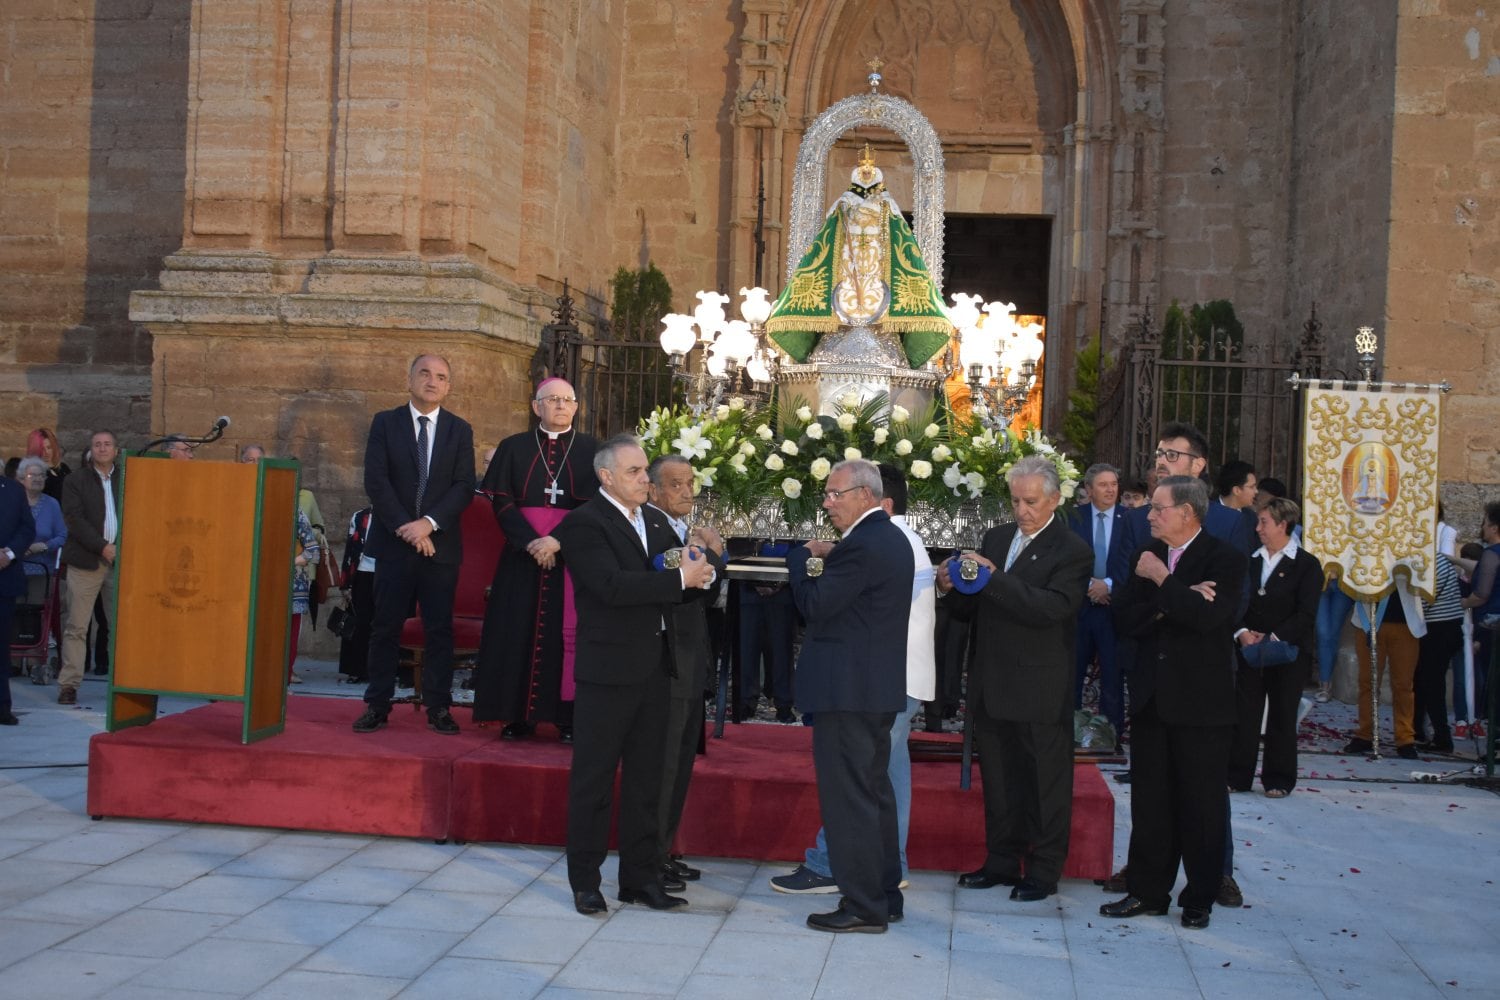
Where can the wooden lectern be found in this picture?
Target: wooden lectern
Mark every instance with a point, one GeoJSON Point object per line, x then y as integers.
{"type": "Point", "coordinates": [204, 592]}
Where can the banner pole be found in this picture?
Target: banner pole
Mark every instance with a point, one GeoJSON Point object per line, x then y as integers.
{"type": "Point", "coordinates": [1371, 609]}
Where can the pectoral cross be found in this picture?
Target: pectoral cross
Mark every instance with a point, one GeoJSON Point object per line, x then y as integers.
{"type": "Point", "coordinates": [553, 493]}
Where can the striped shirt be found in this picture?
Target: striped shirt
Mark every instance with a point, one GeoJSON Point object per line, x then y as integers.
{"type": "Point", "coordinates": [1446, 608]}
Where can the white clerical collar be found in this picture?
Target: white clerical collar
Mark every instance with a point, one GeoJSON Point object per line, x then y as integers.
{"type": "Point", "coordinates": [554, 435]}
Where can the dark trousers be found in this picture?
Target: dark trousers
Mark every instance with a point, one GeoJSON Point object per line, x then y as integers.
{"type": "Point", "coordinates": [7, 614]}
{"type": "Point", "coordinates": [684, 732]}
{"type": "Point", "coordinates": [618, 726]}
{"type": "Point", "coordinates": [1274, 692]}
{"type": "Point", "coordinates": [1028, 796]}
{"type": "Point", "coordinates": [1096, 637]}
{"type": "Point", "coordinates": [1435, 651]}
{"type": "Point", "coordinates": [354, 652]}
{"type": "Point", "coordinates": [851, 756]}
{"type": "Point", "coordinates": [397, 581]}
{"type": "Point", "coordinates": [768, 626]}
{"type": "Point", "coordinates": [1179, 805]}
{"type": "Point", "coordinates": [950, 638]}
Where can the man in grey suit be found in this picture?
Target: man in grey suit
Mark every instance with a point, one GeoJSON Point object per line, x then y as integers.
{"type": "Point", "coordinates": [1021, 684]}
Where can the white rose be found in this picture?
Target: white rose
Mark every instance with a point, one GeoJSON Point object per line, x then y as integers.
{"type": "Point", "coordinates": [847, 421]}
{"type": "Point", "coordinates": [804, 413]}
{"type": "Point", "coordinates": [931, 430]}
{"type": "Point", "coordinates": [849, 399]}
{"type": "Point", "coordinates": [952, 476]}
{"type": "Point", "coordinates": [815, 431]}
{"type": "Point", "coordinates": [746, 448]}
{"type": "Point", "coordinates": [921, 469]}
{"type": "Point", "coordinates": [1067, 489]}
{"type": "Point", "coordinates": [881, 434]}
{"type": "Point", "coordinates": [737, 403]}
{"type": "Point", "coordinates": [791, 487]}
{"type": "Point", "coordinates": [941, 453]}
{"type": "Point", "coordinates": [820, 468]}
{"type": "Point", "coordinates": [903, 447]}
{"type": "Point", "coordinates": [722, 413]}
{"type": "Point", "coordinates": [789, 447]}
{"type": "Point", "coordinates": [899, 414]}
{"type": "Point", "coordinates": [764, 433]}
{"type": "Point", "coordinates": [774, 463]}
{"type": "Point", "coordinates": [852, 454]}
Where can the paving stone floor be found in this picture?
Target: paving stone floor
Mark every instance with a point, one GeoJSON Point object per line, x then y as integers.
{"type": "Point", "coordinates": [1362, 883]}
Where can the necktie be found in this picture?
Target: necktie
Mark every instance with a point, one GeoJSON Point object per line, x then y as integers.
{"type": "Point", "coordinates": [422, 450]}
{"type": "Point", "coordinates": [1101, 547]}
{"type": "Point", "coordinates": [1172, 556]}
{"type": "Point", "coordinates": [639, 524]}
{"type": "Point", "coordinates": [1017, 544]}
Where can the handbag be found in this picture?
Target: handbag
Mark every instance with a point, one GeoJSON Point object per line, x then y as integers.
{"type": "Point", "coordinates": [1268, 653]}
{"type": "Point", "coordinates": [341, 622]}
{"type": "Point", "coordinates": [326, 577]}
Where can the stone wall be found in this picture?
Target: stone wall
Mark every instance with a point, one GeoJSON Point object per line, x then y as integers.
{"type": "Point", "coordinates": [92, 117]}
{"type": "Point", "coordinates": [1226, 158]}
{"type": "Point", "coordinates": [1443, 306]}
{"type": "Point", "coordinates": [1341, 169]}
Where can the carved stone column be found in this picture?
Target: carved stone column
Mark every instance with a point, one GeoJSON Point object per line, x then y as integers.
{"type": "Point", "coordinates": [1134, 254]}
{"type": "Point", "coordinates": [759, 116]}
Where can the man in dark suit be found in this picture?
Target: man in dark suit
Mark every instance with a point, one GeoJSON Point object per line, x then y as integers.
{"type": "Point", "coordinates": [1101, 524]}
{"type": "Point", "coordinates": [17, 532]}
{"type": "Point", "coordinates": [1180, 604]}
{"type": "Point", "coordinates": [672, 496]}
{"type": "Point", "coordinates": [623, 669]}
{"type": "Point", "coordinates": [419, 476]}
{"type": "Point", "coordinates": [1021, 684]}
{"type": "Point", "coordinates": [856, 600]}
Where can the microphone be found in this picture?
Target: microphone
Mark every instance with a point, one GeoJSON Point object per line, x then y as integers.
{"type": "Point", "coordinates": [217, 431]}
{"type": "Point", "coordinates": [220, 424]}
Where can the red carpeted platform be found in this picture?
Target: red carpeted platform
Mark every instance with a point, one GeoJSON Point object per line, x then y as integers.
{"type": "Point", "coordinates": [753, 795]}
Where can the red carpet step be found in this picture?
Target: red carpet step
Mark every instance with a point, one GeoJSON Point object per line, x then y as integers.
{"type": "Point", "coordinates": [753, 795]}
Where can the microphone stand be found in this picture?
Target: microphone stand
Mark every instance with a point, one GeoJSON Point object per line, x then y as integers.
{"type": "Point", "coordinates": [213, 435]}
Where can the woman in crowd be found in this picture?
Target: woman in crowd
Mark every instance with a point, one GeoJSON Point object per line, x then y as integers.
{"type": "Point", "coordinates": [1444, 638]}
{"type": "Point", "coordinates": [42, 443]}
{"type": "Point", "coordinates": [1275, 640]}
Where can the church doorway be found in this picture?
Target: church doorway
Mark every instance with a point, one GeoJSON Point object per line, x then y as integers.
{"type": "Point", "coordinates": [1002, 258]}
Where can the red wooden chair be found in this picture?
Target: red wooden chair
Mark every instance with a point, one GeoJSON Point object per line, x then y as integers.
{"type": "Point", "coordinates": [483, 541]}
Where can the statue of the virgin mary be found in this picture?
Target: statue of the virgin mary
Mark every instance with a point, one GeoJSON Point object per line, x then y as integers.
{"type": "Point", "coordinates": [863, 269]}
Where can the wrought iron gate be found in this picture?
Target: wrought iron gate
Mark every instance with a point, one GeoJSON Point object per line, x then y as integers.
{"type": "Point", "coordinates": [1238, 399]}
{"type": "Point", "coordinates": [618, 381]}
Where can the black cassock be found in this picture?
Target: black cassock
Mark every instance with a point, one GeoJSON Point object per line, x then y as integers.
{"type": "Point", "coordinates": [519, 671]}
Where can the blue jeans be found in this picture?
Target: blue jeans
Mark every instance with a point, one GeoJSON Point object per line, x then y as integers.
{"type": "Point", "coordinates": [900, 771]}
{"type": "Point", "coordinates": [1333, 612]}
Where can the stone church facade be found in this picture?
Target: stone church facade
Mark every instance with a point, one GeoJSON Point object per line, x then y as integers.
{"type": "Point", "coordinates": [264, 208]}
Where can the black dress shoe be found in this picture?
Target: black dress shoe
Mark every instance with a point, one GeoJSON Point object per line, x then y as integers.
{"type": "Point", "coordinates": [985, 880]}
{"type": "Point", "coordinates": [683, 871]}
{"type": "Point", "coordinates": [373, 719]}
{"type": "Point", "coordinates": [653, 896]}
{"type": "Point", "coordinates": [440, 721]}
{"type": "Point", "coordinates": [517, 731]}
{"type": "Point", "coordinates": [589, 902]}
{"type": "Point", "coordinates": [1116, 883]}
{"type": "Point", "coordinates": [565, 734]}
{"type": "Point", "coordinates": [8, 718]}
{"type": "Point", "coordinates": [1357, 745]}
{"type": "Point", "coordinates": [1030, 891]}
{"type": "Point", "coordinates": [842, 921]}
{"type": "Point", "coordinates": [1194, 918]}
{"type": "Point", "coordinates": [671, 883]}
{"type": "Point", "coordinates": [1229, 892]}
{"type": "Point", "coordinates": [1129, 907]}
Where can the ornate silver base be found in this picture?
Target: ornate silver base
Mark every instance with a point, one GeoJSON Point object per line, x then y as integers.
{"type": "Point", "coordinates": [960, 530]}
{"type": "Point", "coordinates": [863, 361]}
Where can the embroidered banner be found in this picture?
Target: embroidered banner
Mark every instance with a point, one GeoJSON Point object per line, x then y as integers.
{"type": "Point", "coordinates": [1369, 461]}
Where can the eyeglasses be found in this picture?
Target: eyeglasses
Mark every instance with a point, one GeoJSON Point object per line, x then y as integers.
{"type": "Point", "coordinates": [835, 494]}
{"type": "Point", "coordinates": [1163, 508]}
{"type": "Point", "coordinates": [557, 400]}
{"type": "Point", "coordinates": [1172, 454]}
